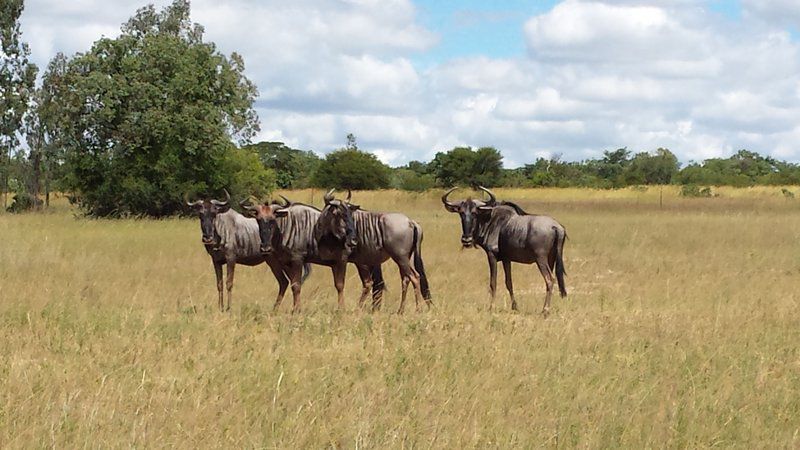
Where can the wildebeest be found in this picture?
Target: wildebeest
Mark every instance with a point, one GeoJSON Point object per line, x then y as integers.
{"type": "Point", "coordinates": [345, 232]}
{"type": "Point", "coordinates": [508, 234]}
{"type": "Point", "coordinates": [286, 235]}
{"type": "Point", "coordinates": [231, 238]}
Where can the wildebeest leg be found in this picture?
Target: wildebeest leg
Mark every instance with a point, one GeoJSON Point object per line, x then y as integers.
{"type": "Point", "coordinates": [404, 285]}
{"type": "Point", "coordinates": [365, 273]}
{"type": "Point", "coordinates": [283, 283]}
{"type": "Point", "coordinates": [218, 272]}
{"type": "Point", "coordinates": [229, 284]}
{"type": "Point", "coordinates": [547, 274]}
{"type": "Point", "coordinates": [408, 273]}
{"type": "Point", "coordinates": [378, 285]}
{"type": "Point", "coordinates": [295, 273]}
{"type": "Point", "coordinates": [339, 271]}
{"type": "Point", "coordinates": [414, 278]}
{"type": "Point", "coordinates": [509, 283]}
{"type": "Point", "coordinates": [492, 277]}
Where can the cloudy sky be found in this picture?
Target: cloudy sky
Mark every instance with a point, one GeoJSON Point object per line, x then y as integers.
{"type": "Point", "coordinates": [533, 78]}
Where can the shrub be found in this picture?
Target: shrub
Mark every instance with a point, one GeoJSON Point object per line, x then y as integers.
{"type": "Point", "coordinates": [408, 180]}
{"type": "Point", "coordinates": [247, 175]}
{"type": "Point", "coordinates": [351, 168]}
{"type": "Point", "coordinates": [23, 202]}
{"type": "Point", "coordinates": [467, 167]}
{"type": "Point", "coordinates": [693, 190]}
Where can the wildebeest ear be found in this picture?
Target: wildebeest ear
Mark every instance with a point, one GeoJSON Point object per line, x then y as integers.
{"type": "Point", "coordinates": [485, 209]}
{"type": "Point", "coordinates": [282, 212]}
{"type": "Point", "coordinates": [353, 207]}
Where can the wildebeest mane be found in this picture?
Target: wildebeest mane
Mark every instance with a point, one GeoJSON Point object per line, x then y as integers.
{"type": "Point", "coordinates": [303, 204]}
{"type": "Point", "coordinates": [516, 207]}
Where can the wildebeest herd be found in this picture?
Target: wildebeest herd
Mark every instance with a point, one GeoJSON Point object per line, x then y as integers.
{"type": "Point", "coordinates": [290, 236]}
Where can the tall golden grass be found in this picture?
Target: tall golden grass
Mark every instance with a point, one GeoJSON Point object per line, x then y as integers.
{"type": "Point", "coordinates": [681, 330]}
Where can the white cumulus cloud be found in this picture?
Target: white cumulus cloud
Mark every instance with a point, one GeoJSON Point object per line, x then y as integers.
{"type": "Point", "coordinates": [596, 75]}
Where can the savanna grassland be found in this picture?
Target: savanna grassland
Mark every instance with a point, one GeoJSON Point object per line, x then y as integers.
{"type": "Point", "coordinates": [681, 330]}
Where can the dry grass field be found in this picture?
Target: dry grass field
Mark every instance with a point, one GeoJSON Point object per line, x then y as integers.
{"type": "Point", "coordinates": [681, 330]}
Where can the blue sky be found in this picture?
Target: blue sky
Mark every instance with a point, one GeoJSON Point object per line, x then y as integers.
{"type": "Point", "coordinates": [495, 28]}
{"type": "Point", "coordinates": [731, 8]}
{"type": "Point", "coordinates": [573, 78]}
{"type": "Point", "coordinates": [472, 27]}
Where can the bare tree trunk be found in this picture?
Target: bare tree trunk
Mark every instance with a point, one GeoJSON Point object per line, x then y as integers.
{"type": "Point", "coordinates": [36, 162]}
{"type": "Point", "coordinates": [46, 162]}
{"type": "Point", "coordinates": [6, 168]}
{"type": "Point", "coordinates": [47, 189]}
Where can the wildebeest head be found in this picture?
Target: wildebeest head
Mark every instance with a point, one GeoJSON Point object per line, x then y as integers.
{"type": "Point", "coordinates": [337, 220]}
{"type": "Point", "coordinates": [207, 210]}
{"type": "Point", "coordinates": [266, 216]}
{"type": "Point", "coordinates": [470, 212]}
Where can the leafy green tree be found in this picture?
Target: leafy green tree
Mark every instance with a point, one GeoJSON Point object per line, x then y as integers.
{"type": "Point", "coordinates": [488, 169]}
{"type": "Point", "coordinates": [418, 167]}
{"type": "Point", "coordinates": [611, 166]}
{"type": "Point", "coordinates": [784, 173]}
{"type": "Point", "coordinates": [293, 168]}
{"type": "Point", "coordinates": [352, 169]}
{"type": "Point", "coordinates": [150, 116]}
{"type": "Point", "coordinates": [409, 180]}
{"type": "Point", "coordinates": [744, 168]}
{"type": "Point", "coordinates": [467, 167]}
{"type": "Point", "coordinates": [44, 126]}
{"type": "Point", "coordinates": [515, 177]}
{"type": "Point", "coordinates": [752, 165]}
{"type": "Point", "coordinates": [17, 78]}
{"type": "Point", "coordinates": [248, 174]}
{"type": "Point", "coordinates": [657, 168]}
{"type": "Point", "coordinates": [556, 173]}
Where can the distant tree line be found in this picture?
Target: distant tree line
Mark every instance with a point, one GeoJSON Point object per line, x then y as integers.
{"type": "Point", "coordinates": [136, 123]}
{"type": "Point", "coordinates": [465, 166]}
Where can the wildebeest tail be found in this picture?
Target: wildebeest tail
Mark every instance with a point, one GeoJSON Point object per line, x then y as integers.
{"type": "Point", "coordinates": [418, 266]}
{"type": "Point", "coordinates": [306, 272]}
{"type": "Point", "coordinates": [558, 247]}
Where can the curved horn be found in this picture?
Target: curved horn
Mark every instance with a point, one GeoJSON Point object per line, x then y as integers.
{"type": "Point", "coordinates": [287, 202]}
{"type": "Point", "coordinates": [492, 198]}
{"type": "Point", "coordinates": [191, 204]}
{"type": "Point", "coordinates": [329, 196]}
{"type": "Point", "coordinates": [227, 199]}
{"type": "Point", "coordinates": [246, 205]}
{"type": "Point", "coordinates": [444, 197]}
{"type": "Point", "coordinates": [349, 196]}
